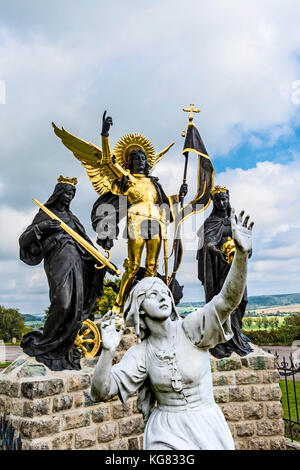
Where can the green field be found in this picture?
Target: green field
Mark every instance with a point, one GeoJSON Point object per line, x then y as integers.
{"type": "Point", "coordinates": [288, 386]}
{"type": "Point", "coordinates": [3, 365]}
{"type": "Point", "coordinates": [292, 401]}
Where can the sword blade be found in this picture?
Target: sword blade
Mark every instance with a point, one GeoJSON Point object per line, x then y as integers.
{"type": "Point", "coordinates": [84, 243]}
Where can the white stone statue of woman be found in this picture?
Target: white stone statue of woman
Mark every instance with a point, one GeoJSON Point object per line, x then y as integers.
{"type": "Point", "coordinates": [170, 366]}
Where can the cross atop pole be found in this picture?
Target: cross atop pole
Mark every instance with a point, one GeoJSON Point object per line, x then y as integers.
{"type": "Point", "coordinates": [191, 110]}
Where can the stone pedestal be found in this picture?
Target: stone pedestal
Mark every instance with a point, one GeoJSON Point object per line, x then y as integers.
{"type": "Point", "coordinates": [54, 410]}
{"type": "Point", "coordinates": [248, 392]}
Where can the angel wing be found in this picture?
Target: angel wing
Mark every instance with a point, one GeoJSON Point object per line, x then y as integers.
{"type": "Point", "coordinates": [90, 156]}
{"type": "Point", "coordinates": [154, 159]}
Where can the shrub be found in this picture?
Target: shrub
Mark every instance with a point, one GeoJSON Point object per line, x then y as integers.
{"type": "Point", "coordinates": [11, 324]}
{"type": "Point", "coordinates": [285, 334]}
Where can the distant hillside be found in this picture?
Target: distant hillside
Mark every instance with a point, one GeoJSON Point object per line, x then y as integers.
{"type": "Point", "coordinates": [38, 317]}
{"type": "Point", "coordinates": [273, 300]}
{"type": "Point", "coordinates": [258, 301]}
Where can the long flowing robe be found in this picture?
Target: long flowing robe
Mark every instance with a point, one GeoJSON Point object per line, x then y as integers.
{"type": "Point", "coordinates": [180, 381]}
{"type": "Point", "coordinates": [212, 272]}
{"type": "Point", "coordinates": [74, 285]}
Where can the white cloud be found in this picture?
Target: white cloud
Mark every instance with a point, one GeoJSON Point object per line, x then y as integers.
{"type": "Point", "coordinates": [238, 65]}
{"type": "Point", "coordinates": [270, 193]}
{"type": "Point", "coordinates": [143, 61]}
{"type": "Point", "coordinates": [13, 223]}
{"type": "Point", "coordinates": [18, 289]}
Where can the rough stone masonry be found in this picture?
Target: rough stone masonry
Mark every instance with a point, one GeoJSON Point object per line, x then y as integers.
{"type": "Point", "coordinates": [54, 410]}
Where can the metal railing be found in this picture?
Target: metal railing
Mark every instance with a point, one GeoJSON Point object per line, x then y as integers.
{"type": "Point", "coordinates": [288, 371]}
{"type": "Point", "coordinates": [8, 441]}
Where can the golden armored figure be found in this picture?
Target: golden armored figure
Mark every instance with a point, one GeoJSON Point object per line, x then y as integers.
{"type": "Point", "coordinates": [125, 172]}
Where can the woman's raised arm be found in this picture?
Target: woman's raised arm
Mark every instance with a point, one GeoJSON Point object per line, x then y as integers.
{"type": "Point", "coordinates": [207, 326]}
{"type": "Point", "coordinates": [233, 288]}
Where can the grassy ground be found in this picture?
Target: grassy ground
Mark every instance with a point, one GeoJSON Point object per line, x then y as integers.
{"type": "Point", "coordinates": [291, 398]}
{"type": "Point", "coordinates": [4, 364]}
{"type": "Point", "coordinates": [293, 410]}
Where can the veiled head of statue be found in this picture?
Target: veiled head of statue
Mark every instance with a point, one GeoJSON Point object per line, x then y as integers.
{"type": "Point", "coordinates": [143, 294]}
{"type": "Point", "coordinates": [220, 198]}
{"type": "Point", "coordinates": [62, 191]}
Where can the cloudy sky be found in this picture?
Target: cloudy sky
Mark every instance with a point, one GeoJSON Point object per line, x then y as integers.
{"type": "Point", "coordinates": [67, 61]}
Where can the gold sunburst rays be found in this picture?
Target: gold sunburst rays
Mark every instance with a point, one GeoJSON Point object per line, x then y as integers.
{"type": "Point", "coordinates": [130, 142]}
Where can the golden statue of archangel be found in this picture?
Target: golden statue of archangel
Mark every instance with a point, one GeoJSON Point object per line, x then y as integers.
{"type": "Point", "coordinates": [125, 172]}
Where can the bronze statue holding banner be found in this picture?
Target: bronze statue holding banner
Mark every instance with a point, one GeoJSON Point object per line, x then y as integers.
{"type": "Point", "coordinates": [125, 172]}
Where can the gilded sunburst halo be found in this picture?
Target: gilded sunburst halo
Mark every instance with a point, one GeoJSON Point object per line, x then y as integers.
{"type": "Point", "coordinates": [130, 142]}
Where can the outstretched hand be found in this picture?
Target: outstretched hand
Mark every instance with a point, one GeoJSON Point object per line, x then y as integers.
{"type": "Point", "coordinates": [106, 123]}
{"type": "Point", "coordinates": [219, 253]}
{"type": "Point", "coordinates": [51, 224]}
{"type": "Point", "coordinates": [109, 335]}
{"type": "Point", "coordinates": [241, 231]}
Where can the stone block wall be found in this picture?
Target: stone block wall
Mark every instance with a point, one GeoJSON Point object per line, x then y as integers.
{"type": "Point", "coordinates": [54, 410]}
{"type": "Point", "coordinates": [248, 392]}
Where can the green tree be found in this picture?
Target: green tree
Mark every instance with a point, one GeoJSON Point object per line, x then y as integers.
{"type": "Point", "coordinates": [248, 322]}
{"type": "Point", "coordinates": [104, 303]}
{"type": "Point", "coordinates": [11, 324]}
{"type": "Point", "coordinates": [46, 313]}
{"type": "Point", "coordinates": [265, 322]}
{"type": "Point", "coordinates": [292, 321]}
{"type": "Point", "coordinates": [259, 322]}
{"type": "Point", "coordinates": [284, 334]}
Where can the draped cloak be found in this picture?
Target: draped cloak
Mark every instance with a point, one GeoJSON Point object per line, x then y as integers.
{"type": "Point", "coordinates": [212, 272]}
{"type": "Point", "coordinates": [74, 285]}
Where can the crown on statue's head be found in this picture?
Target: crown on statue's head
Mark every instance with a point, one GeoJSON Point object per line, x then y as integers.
{"type": "Point", "coordinates": [218, 189]}
{"type": "Point", "coordinates": [66, 179]}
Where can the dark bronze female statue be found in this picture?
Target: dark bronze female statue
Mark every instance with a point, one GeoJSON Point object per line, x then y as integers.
{"type": "Point", "coordinates": [214, 259]}
{"type": "Point", "coordinates": [73, 280]}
